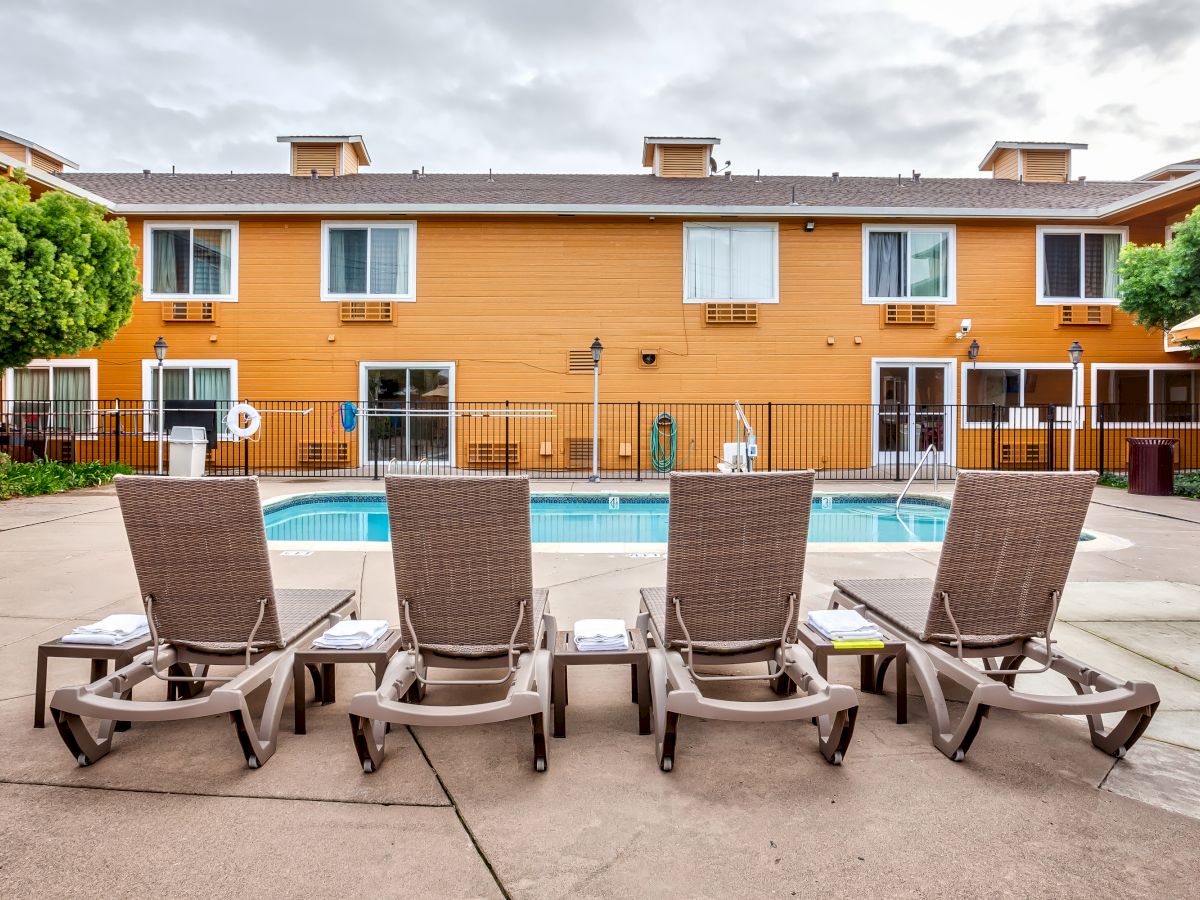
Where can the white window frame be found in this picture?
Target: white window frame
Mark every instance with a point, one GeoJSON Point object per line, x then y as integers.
{"type": "Point", "coordinates": [1062, 418]}
{"type": "Point", "coordinates": [148, 292]}
{"type": "Point", "coordinates": [52, 364]}
{"type": "Point", "coordinates": [1040, 286]}
{"type": "Point", "coordinates": [1144, 367]}
{"type": "Point", "coordinates": [150, 427]}
{"type": "Point", "coordinates": [364, 371]}
{"type": "Point", "coordinates": [745, 226]}
{"type": "Point", "coordinates": [411, 226]}
{"type": "Point", "coordinates": [951, 269]}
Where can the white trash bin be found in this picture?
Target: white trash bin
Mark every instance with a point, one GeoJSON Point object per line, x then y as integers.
{"type": "Point", "coordinates": [189, 446]}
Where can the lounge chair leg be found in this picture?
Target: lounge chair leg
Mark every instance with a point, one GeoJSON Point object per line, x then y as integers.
{"type": "Point", "coordinates": [659, 714]}
{"type": "Point", "coordinates": [259, 741]}
{"type": "Point", "coordinates": [82, 745]}
{"type": "Point", "coordinates": [317, 680]}
{"type": "Point", "coordinates": [369, 738]}
{"type": "Point", "coordinates": [666, 753]}
{"type": "Point", "coordinates": [833, 744]}
{"type": "Point", "coordinates": [956, 744]}
{"type": "Point", "coordinates": [880, 672]}
{"type": "Point", "coordinates": [1121, 737]}
{"type": "Point", "coordinates": [539, 742]}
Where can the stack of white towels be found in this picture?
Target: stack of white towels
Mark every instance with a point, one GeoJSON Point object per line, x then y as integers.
{"type": "Point", "coordinates": [109, 631]}
{"type": "Point", "coordinates": [843, 625]}
{"type": "Point", "coordinates": [601, 634]}
{"type": "Point", "coordinates": [353, 634]}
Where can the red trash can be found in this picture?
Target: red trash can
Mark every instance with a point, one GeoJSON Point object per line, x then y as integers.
{"type": "Point", "coordinates": [1152, 466]}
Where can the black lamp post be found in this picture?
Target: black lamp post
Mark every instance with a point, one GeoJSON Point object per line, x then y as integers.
{"type": "Point", "coordinates": [1075, 354]}
{"type": "Point", "coordinates": [160, 353]}
{"type": "Point", "coordinates": [597, 349]}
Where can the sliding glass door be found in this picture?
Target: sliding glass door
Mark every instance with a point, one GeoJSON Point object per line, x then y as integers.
{"type": "Point", "coordinates": [406, 413]}
{"type": "Point", "coordinates": [913, 399]}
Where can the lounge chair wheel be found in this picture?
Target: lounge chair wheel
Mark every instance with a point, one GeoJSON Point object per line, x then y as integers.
{"type": "Point", "coordinates": [252, 761]}
{"type": "Point", "coordinates": [836, 758]}
{"type": "Point", "coordinates": [958, 755]}
{"type": "Point", "coordinates": [539, 764]}
{"type": "Point", "coordinates": [83, 760]}
{"type": "Point", "coordinates": [368, 766]}
{"type": "Point", "coordinates": [666, 764]}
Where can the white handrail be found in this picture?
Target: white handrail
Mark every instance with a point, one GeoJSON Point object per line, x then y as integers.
{"type": "Point", "coordinates": [916, 470]}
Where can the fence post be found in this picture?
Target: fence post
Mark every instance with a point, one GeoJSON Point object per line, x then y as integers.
{"type": "Point", "coordinates": [506, 472]}
{"type": "Point", "coordinates": [1051, 414]}
{"type": "Point", "coordinates": [637, 428]}
{"type": "Point", "coordinates": [245, 457]}
{"type": "Point", "coordinates": [770, 416]}
{"type": "Point", "coordinates": [1100, 437]}
{"type": "Point", "coordinates": [117, 430]}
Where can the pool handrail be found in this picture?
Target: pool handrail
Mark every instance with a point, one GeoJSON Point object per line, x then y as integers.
{"type": "Point", "coordinates": [916, 470]}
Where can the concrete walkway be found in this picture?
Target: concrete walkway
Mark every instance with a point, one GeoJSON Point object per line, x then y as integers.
{"type": "Point", "coordinates": [750, 810]}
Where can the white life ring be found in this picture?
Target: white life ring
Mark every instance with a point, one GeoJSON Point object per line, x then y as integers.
{"type": "Point", "coordinates": [233, 421]}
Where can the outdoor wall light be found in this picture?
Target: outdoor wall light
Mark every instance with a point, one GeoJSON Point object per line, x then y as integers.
{"type": "Point", "coordinates": [597, 349]}
{"type": "Point", "coordinates": [160, 349]}
{"type": "Point", "coordinates": [973, 351]}
{"type": "Point", "coordinates": [1075, 352]}
{"type": "Point", "coordinates": [810, 225]}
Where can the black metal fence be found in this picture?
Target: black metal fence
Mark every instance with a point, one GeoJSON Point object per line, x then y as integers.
{"type": "Point", "coordinates": [634, 440]}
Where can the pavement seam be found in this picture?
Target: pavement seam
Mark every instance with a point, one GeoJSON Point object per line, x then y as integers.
{"type": "Point", "coordinates": [642, 565]}
{"type": "Point", "coordinates": [58, 519]}
{"type": "Point", "coordinates": [1157, 662]}
{"type": "Point", "coordinates": [1146, 512]}
{"type": "Point", "coordinates": [163, 792]}
{"type": "Point", "coordinates": [461, 818]}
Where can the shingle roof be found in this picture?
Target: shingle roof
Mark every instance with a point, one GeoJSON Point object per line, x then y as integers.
{"type": "Point", "coordinates": [634, 191]}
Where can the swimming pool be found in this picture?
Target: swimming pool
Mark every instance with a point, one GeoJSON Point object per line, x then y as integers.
{"type": "Point", "coordinates": [616, 520]}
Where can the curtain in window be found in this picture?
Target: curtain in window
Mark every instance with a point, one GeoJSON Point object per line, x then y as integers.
{"type": "Point", "coordinates": [348, 260]}
{"type": "Point", "coordinates": [930, 264]}
{"type": "Point", "coordinates": [385, 260]}
{"type": "Point", "coordinates": [1060, 265]}
{"type": "Point", "coordinates": [1112, 250]}
{"type": "Point", "coordinates": [708, 263]}
{"type": "Point", "coordinates": [213, 260]}
{"type": "Point", "coordinates": [751, 264]}
{"type": "Point", "coordinates": [170, 261]}
{"type": "Point", "coordinates": [176, 381]}
{"type": "Point", "coordinates": [72, 389]}
{"type": "Point", "coordinates": [214, 384]}
{"type": "Point", "coordinates": [31, 396]}
{"type": "Point", "coordinates": [885, 272]}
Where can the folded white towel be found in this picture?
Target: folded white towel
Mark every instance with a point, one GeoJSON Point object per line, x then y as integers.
{"type": "Point", "coordinates": [843, 625]}
{"type": "Point", "coordinates": [111, 630]}
{"type": "Point", "coordinates": [601, 634]}
{"type": "Point", "coordinates": [352, 634]}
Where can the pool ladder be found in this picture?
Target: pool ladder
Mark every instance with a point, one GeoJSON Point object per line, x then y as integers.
{"type": "Point", "coordinates": [916, 471]}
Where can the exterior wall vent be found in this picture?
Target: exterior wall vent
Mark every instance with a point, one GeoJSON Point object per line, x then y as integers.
{"type": "Point", "coordinates": [327, 155]}
{"type": "Point", "coordinates": [908, 314]}
{"type": "Point", "coordinates": [322, 453]}
{"type": "Point", "coordinates": [579, 362]}
{"type": "Point", "coordinates": [493, 454]}
{"type": "Point", "coordinates": [730, 313]}
{"type": "Point", "coordinates": [679, 157]}
{"type": "Point", "coordinates": [189, 311]}
{"type": "Point", "coordinates": [366, 311]}
{"type": "Point", "coordinates": [1085, 314]}
{"type": "Point", "coordinates": [1030, 161]}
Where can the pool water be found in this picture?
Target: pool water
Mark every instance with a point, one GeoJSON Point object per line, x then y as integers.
{"type": "Point", "coordinates": [610, 519]}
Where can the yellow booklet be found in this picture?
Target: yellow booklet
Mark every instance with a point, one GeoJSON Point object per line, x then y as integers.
{"type": "Point", "coordinates": [858, 645]}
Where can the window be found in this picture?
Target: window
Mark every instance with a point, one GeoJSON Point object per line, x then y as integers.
{"type": "Point", "coordinates": [900, 262]}
{"type": "Point", "coordinates": [1147, 394]}
{"type": "Point", "coordinates": [731, 262]}
{"type": "Point", "coordinates": [1076, 265]}
{"type": "Point", "coordinates": [51, 396]}
{"type": "Point", "coordinates": [368, 259]}
{"type": "Point", "coordinates": [191, 259]}
{"type": "Point", "coordinates": [186, 381]}
{"type": "Point", "coordinates": [1015, 394]}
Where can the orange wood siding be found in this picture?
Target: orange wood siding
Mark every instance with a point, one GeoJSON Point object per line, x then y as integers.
{"type": "Point", "coordinates": [505, 298]}
{"type": "Point", "coordinates": [1005, 165]}
{"type": "Point", "coordinates": [349, 160]}
{"type": "Point", "coordinates": [13, 149]}
{"type": "Point", "coordinates": [1046, 165]}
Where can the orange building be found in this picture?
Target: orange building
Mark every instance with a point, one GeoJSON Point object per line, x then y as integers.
{"type": "Point", "coordinates": [936, 309]}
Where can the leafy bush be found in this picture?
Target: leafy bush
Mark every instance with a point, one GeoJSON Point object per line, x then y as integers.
{"type": "Point", "coordinates": [1187, 484]}
{"type": "Point", "coordinates": [50, 477]}
{"type": "Point", "coordinates": [1160, 285]}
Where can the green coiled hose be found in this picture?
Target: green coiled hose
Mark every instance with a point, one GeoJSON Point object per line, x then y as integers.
{"type": "Point", "coordinates": [662, 460]}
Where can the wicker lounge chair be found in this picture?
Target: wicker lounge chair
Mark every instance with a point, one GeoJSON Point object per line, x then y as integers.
{"type": "Point", "coordinates": [462, 555]}
{"type": "Point", "coordinates": [1009, 545]}
{"type": "Point", "coordinates": [200, 550]}
{"type": "Point", "coordinates": [735, 567]}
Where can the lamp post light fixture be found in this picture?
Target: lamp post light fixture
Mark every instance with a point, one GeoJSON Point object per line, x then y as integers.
{"type": "Point", "coordinates": [597, 349]}
{"type": "Point", "coordinates": [160, 353]}
{"type": "Point", "coordinates": [1075, 354]}
{"type": "Point", "coordinates": [973, 352]}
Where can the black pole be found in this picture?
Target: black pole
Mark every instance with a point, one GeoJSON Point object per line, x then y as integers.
{"type": "Point", "coordinates": [993, 437]}
{"type": "Point", "coordinates": [1051, 412]}
{"type": "Point", "coordinates": [117, 430]}
{"type": "Point", "coordinates": [770, 415]}
{"type": "Point", "coordinates": [638, 430]}
{"type": "Point", "coordinates": [1100, 436]}
{"type": "Point", "coordinates": [506, 472]}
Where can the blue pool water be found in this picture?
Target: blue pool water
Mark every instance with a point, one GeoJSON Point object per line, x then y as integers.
{"type": "Point", "coordinates": [609, 519]}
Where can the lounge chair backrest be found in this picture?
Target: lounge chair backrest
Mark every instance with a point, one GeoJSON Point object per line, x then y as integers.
{"type": "Point", "coordinates": [1009, 545]}
{"type": "Point", "coordinates": [735, 553]}
{"type": "Point", "coordinates": [200, 549]}
{"type": "Point", "coordinates": [463, 558]}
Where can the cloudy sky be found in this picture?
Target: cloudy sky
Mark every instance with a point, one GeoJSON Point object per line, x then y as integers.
{"type": "Point", "coordinates": [865, 87]}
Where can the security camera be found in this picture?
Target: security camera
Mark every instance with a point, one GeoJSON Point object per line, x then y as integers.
{"type": "Point", "coordinates": [964, 329]}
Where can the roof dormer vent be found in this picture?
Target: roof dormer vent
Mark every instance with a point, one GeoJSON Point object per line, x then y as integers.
{"type": "Point", "coordinates": [679, 157]}
{"type": "Point", "coordinates": [1030, 160]}
{"type": "Point", "coordinates": [326, 154]}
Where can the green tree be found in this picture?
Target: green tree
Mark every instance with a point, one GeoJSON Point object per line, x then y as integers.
{"type": "Point", "coordinates": [1160, 286]}
{"type": "Point", "coordinates": [67, 278]}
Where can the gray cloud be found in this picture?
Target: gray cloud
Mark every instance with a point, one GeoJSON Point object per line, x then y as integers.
{"type": "Point", "coordinates": [862, 86]}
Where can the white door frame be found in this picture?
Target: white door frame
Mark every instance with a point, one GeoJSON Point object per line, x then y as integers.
{"type": "Point", "coordinates": [364, 449]}
{"type": "Point", "coordinates": [949, 424]}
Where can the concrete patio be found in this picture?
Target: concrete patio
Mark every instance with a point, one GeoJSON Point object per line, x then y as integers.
{"type": "Point", "coordinates": [750, 810]}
